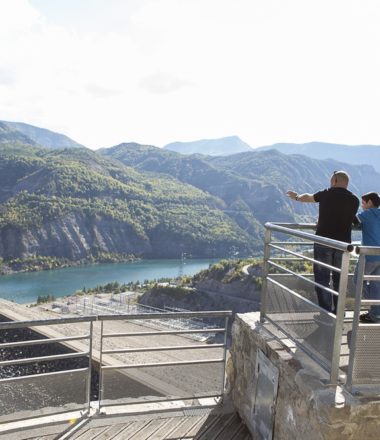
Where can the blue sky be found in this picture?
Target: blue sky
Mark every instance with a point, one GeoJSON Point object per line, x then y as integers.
{"type": "Point", "coordinates": [158, 71]}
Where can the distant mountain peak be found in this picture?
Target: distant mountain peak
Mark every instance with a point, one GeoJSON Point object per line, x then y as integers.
{"type": "Point", "coordinates": [211, 147]}
{"type": "Point", "coordinates": [11, 136]}
{"type": "Point", "coordinates": [19, 132]}
{"type": "Point", "coordinates": [133, 145]}
{"type": "Point", "coordinates": [351, 154]}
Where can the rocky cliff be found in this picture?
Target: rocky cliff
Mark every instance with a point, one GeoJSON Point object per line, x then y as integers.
{"type": "Point", "coordinates": [74, 237]}
{"type": "Point", "coordinates": [76, 204]}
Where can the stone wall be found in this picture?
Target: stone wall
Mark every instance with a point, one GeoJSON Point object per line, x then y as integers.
{"type": "Point", "coordinates": [306, 406]}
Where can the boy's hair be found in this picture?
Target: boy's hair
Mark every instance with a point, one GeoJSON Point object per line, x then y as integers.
{"type": "Point", "coordinates": [374, 197]}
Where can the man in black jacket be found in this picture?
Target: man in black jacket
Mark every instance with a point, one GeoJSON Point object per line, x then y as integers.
{"type": "Point", "coordinates": [337, 210]}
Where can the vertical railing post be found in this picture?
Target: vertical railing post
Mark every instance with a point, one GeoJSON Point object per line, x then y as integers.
{"type": "Point", "coordinates": [224, 356]}
{"type": "Point", "coordinates": [100, 367]}
{"type": "Point", "coordinates": [264, 287]}
{"type": "Point", "coordinates": [358, 299]}
{"type": "Point", "coordinates": [90, 367]}
{"type": "Point", "coordinates": [339, 321]}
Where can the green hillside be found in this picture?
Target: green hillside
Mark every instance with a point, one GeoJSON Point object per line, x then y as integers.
{"type": "Point", "coordinates": [30, 135]}
{"type": "Point", "coordinates": [198, 172]}
{"type": "Point", "coordinates": [74, 203]}
{"type": "Point", "coordinates": [79, 205]}
{"type": "Point", "coordinates": [252, 184]}
{"type": "Point", "coordinates": [12, 137]}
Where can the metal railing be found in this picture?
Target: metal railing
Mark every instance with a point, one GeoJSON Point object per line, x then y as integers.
{"type": "Point", "coordinates": [61, 380]}
{"type": "Point", "coordinates": [289, 302]}
{"type": "Point", "coordinates": [364, 361]}
{"type": "Point", "coordinates": [156, 374]}
{"type": "Point", "coordinates": [26, 377]}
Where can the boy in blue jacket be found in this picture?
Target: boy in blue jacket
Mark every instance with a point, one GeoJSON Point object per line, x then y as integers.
{"type": "Point", "coordinates": [369, 219]}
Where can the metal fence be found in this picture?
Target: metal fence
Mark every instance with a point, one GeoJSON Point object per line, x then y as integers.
{"type": "Point", "coordinates": [337, 342]}
{"type": "Point", "coordinates": [43, 372]}
{"type": "Point", "coordinates": [29, 381]}
{"type": "Point", "coordinates": [193, 376]}
{"type": "Point", "coordinates": [364, 361]}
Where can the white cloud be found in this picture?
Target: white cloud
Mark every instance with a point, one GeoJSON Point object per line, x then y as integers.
{"type": "Point", "coordinates": [157, 71]}
{"type": "Point", "coordinates": [163, 83]}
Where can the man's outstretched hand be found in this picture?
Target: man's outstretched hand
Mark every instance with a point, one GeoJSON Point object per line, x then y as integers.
{"type": "Point", "coordinates": [291, 194]}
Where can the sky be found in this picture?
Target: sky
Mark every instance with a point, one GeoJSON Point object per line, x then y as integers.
{"type": "Point", "coordinates": [105, 72]}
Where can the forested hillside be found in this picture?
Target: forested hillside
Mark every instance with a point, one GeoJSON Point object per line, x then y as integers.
{"type": "Point", "coordinates": [131, 199]}
{"type": "Point", "coordinates": [74, 203]}
{"type": "Point", "coordinates": [251, 184]}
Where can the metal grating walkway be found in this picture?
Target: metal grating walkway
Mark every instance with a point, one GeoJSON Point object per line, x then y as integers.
{"type": "Point", "coordinates": [206, 427]}
{"type": "Point", "coordinates": [156, 426]}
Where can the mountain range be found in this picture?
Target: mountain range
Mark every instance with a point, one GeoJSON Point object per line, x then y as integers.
{"type": "Point", "coordinates": [356, 155]}
{"type": "Point", "coordinates": [211, 147]}
{"type": "Point", "coordinates": [14, 133]}
{"type": "Point", "coordinates": [76, 203]}
{"type": "Point", "coordinates": [252, 184]}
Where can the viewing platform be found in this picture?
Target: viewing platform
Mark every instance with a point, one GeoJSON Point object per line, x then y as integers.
{"type": "Point", "coordinates": [296, 370]}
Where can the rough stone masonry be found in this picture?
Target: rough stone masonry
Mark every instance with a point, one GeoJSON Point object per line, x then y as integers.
{"type": "Point", "coordinates": [306, 407]}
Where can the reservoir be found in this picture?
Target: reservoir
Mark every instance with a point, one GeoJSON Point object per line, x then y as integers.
{"type": "Point", "coordinates": [25, 287]}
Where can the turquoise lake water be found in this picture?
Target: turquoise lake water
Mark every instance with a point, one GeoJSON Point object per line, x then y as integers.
{"type": "Point", "coordinates": [25, 287]}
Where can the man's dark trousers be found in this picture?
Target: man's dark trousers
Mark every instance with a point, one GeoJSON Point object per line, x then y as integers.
{"type": "Point", "coordinates": [332, 257]}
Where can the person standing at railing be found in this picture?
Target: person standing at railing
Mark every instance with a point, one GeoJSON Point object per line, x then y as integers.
{"type": "Point", "coordinates": [337, 210]}
{"type": "Point", "coordinates": [369, 220]}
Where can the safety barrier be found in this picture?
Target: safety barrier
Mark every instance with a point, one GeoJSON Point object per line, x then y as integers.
{"type": "Point", "coordinates": [45, 371]}
{"type": "Point", "coordinates": [338, 342]}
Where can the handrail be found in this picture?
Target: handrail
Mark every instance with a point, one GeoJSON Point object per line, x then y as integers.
{"type": "Point", "coordinates": [125, 365]}
{"type": "Point", "coordinates": [42, 341]}
{"type": "Point", "coordinates": [161, 348]}
{"type": "Point", "coordinates": [288, 303]}
{"type": "Point", "coordinates": [162, 364]}
{"type": "Point", "coordinates": [116, 317]}
{"type": "Point", "coordinates": [165, 332]}
{"type": "Point", "coordinates": [168, 315]}
{"type": "Point", "coordinates": [78, 352]}
{"type": "Point", "coordinates": [43, 322]}
{"type": "Point", "coordinates": [303, 278]}
{"type": "Point", "coordinates": [312, 226]}
{"type": "Point", "coordinates": [336, 244]}
{"type": "Point", "coordinates": [367, 250]}
{"type": "Point", "coordinates": [302, 257]}
{"type": "Point", "coordinates": [44, 358]}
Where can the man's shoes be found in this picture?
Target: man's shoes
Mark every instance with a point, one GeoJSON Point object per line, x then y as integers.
{"type": "Point", "coordinates": [366, 319]}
